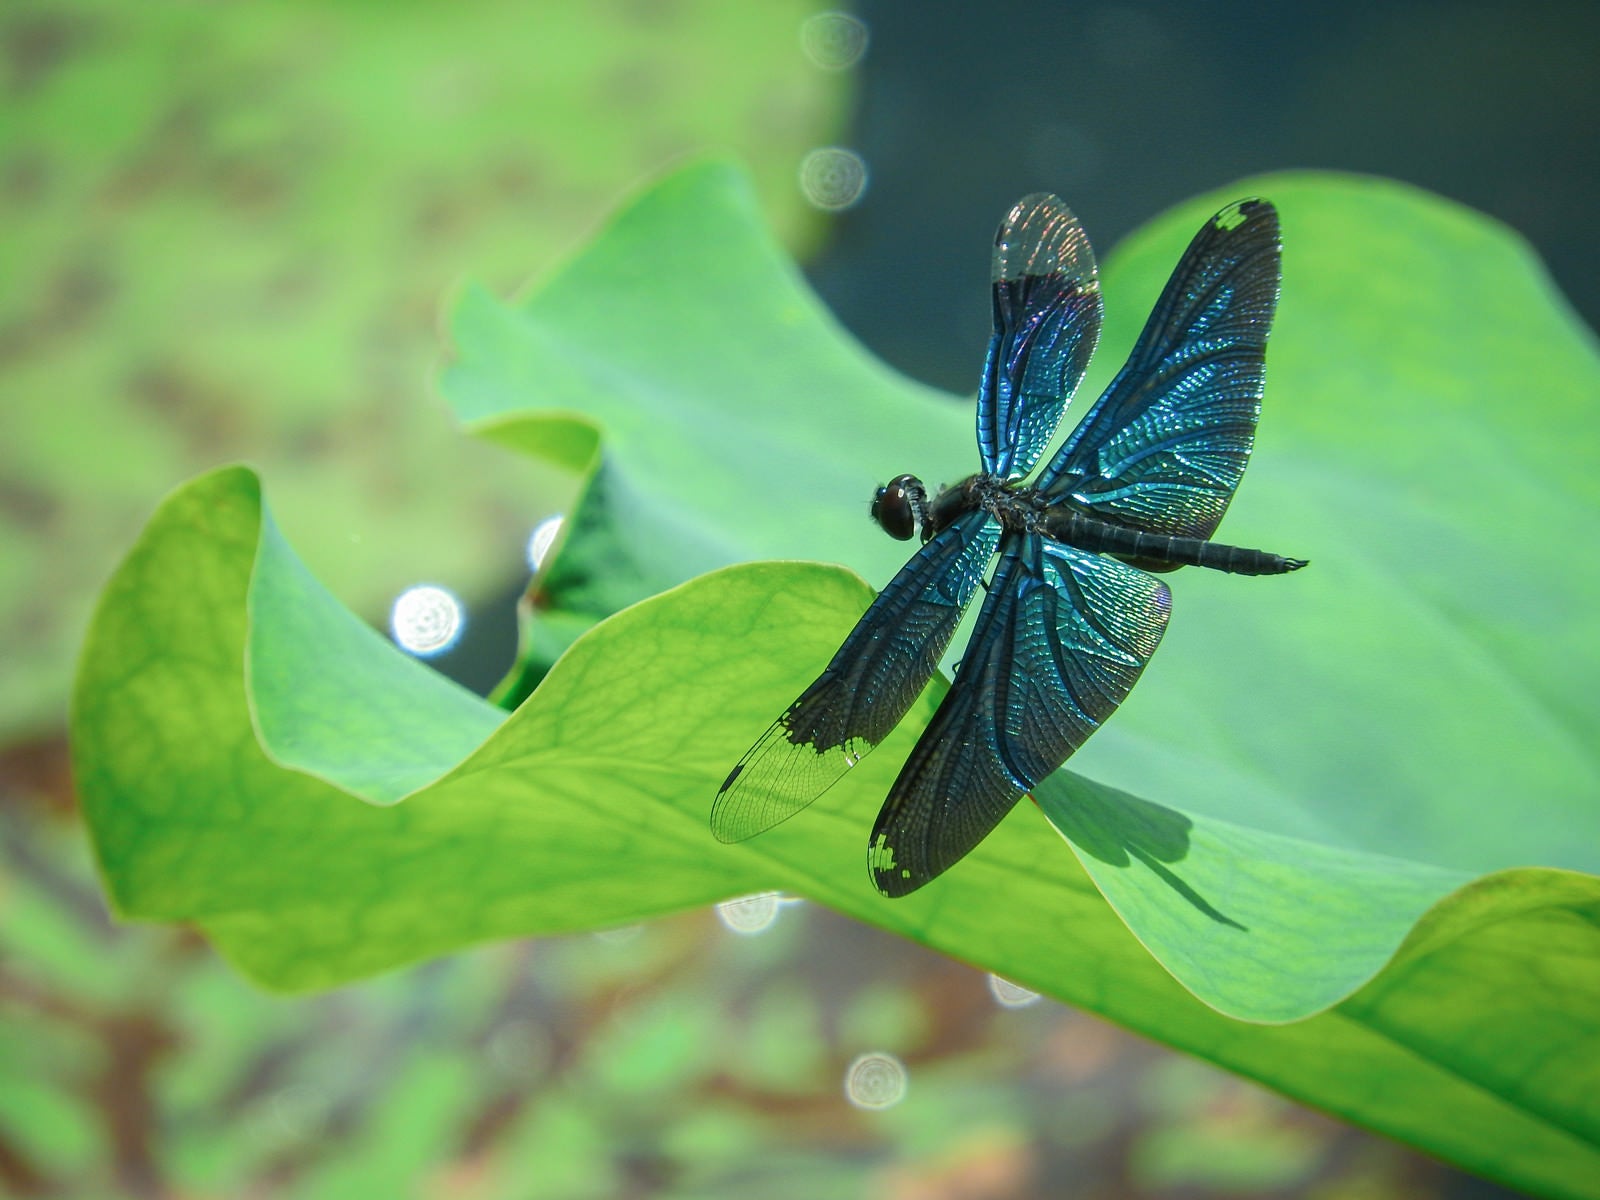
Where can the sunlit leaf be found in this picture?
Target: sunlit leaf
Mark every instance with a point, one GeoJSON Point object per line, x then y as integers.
{"type": "Point", "coordinates": [1345, 812]}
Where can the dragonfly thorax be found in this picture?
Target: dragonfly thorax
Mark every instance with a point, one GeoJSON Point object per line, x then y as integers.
{"type": "Point", "coordinates": [902, 508]}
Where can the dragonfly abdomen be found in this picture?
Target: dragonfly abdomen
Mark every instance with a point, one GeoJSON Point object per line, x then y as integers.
{"type": "Point", "coordinates": [1159, 551]}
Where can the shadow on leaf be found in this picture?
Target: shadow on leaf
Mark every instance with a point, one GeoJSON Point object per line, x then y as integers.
{"type": "Point", "coordinates": [1119, 829]}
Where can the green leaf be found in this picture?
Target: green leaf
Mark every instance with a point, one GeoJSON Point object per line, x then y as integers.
{"type": "Point", "coordinates": [1363, 792]}
{"type": "Point", "coordinates": [723, 389]}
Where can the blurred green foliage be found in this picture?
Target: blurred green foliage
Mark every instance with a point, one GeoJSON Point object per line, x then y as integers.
{"type": "Point", "coordinates": [675, 1060]}
{"type": "Point", "coordinates": [225, 232]}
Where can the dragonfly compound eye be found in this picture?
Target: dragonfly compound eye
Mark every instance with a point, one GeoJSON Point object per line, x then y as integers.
{"type": "Point", "coordinates": [897, 507]}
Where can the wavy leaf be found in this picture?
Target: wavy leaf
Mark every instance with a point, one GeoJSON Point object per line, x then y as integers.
{"type": "Point", "coordinates": [1357, 800]}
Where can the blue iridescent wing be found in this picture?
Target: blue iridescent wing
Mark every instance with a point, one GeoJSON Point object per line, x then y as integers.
{"type": "Point", "coordinates": [1163, 449]}
{"type": "Point", "coordinates": [1046, 321]}
{"type": "Point", "coordinates": [1060, 640]}
{"type": "Point", "coordinates": [864, 692]}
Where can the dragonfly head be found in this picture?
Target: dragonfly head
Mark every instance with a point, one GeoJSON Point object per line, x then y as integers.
{"type": "Point", "coordinates": [900, 507]}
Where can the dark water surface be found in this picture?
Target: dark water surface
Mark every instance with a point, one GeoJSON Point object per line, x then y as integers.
{"type": "Point", "coordinates": [1125, 110]}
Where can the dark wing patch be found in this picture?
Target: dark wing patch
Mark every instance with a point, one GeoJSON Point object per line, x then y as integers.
{"type": "Point", "coordinates": [1164, 448]}
{"type": "Point", "coordinates": [1046, 322]}
{"type": "Point", "coordinates": [1061, 639]}
{"type": "Point", "coordinates": [866, 689]}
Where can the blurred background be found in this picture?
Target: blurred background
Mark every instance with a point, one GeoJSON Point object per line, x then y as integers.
{"type": "Point", "coordinates": [229, 232]}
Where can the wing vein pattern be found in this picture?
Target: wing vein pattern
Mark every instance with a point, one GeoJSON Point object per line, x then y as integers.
{"type": "Point", "coordinates": [1047, 308]}
{"type": "Point", "coordinates": [1060, 640]}
{"type": "Point", "coordinates": [1164, 447]}
{"type": "Point", "coordinates": [865, 690]}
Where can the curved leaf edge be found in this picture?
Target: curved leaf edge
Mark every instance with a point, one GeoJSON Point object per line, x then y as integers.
{"type": "Point", "coordinates": [1417, 910]}
{"type": "Point", "coordinates": [1430, 920]}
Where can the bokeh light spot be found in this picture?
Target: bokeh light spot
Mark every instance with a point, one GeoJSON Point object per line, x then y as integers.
{"type": "Point", "coordinates": [834, 41]}
{"type": "Point", "coordinates": [750, 914]}
{"type": "Point", "coordinates": [875, 1081]}
{"type": "Point", "coordinates": [540, 541]}
{"type": "Point", "coordinates": [833, 178]}
{"type": "Point", "coordinates": [1011, 995]}
{"type": "Point", "coordinates": [426, 620]}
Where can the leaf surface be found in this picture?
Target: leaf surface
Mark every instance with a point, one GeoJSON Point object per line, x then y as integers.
{"type": "Point", "coordinates": [1344, 820]}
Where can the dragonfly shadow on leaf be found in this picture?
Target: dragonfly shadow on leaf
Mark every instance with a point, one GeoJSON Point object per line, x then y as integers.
{"type": "Point", "coordinates": [1119, 829]}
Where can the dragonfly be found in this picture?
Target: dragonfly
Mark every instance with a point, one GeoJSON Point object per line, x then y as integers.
{"type": "Point", "coordinates": [1073, 609]}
